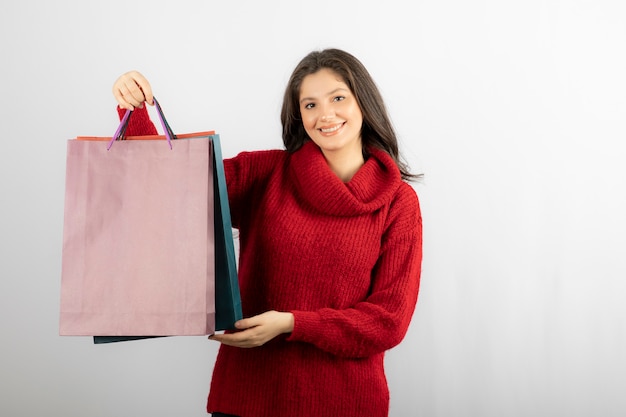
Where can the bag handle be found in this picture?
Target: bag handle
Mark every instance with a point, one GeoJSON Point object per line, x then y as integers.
{"type": "Point", "coordinates": [121, 130]}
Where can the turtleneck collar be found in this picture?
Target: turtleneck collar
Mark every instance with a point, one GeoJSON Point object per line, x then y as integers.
{"type": "Point", "coordinates": [318, 186]}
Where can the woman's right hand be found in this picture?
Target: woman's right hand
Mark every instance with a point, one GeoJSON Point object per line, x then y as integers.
{"type": "Point", "coordinates": [131, 90]}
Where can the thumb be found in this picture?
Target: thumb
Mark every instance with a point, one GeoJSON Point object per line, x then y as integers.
{"type": "Point", "coordinates": [243, 324]}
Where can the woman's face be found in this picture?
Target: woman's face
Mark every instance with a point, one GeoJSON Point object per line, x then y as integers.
{"type": "Point", "coordinates": [330, 114]}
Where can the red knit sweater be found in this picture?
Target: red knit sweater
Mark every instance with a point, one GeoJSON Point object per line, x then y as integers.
{"type": "Point", "coordinates": [344, 258]}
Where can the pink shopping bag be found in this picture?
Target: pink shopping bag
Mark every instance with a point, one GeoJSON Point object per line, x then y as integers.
{"type": "Point", "coordinates": [138, 238]}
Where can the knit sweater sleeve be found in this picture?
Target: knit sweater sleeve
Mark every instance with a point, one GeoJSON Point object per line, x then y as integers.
{"type": "Point", "coordinates": [139, 123]}
{"type": "Point", "coordinates": [245, 177]}
{"type": "Point", "coordinates": [381, 321]}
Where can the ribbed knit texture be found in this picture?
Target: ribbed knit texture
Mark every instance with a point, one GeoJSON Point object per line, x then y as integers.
{"type": "Point", "coordinates": [140, 123]}
{"type": "Point", "coordinates": [345, 259]}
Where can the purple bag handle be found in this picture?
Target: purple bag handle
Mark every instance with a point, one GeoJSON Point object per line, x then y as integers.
{"type": "Point", "coordinates": [119, 133]}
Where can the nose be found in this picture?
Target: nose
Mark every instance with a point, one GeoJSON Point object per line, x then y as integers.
{"type": "Point", "coordinates": [327, 114]}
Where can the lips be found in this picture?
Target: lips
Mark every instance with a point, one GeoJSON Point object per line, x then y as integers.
{"type": "Point", "coordinates": [331, 129]}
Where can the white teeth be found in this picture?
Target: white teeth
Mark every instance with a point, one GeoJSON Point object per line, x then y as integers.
{"type": "Point", "coordinates": [332, 129]}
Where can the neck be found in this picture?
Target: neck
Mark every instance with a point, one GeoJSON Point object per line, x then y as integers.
{"type": "Point", "coordinates": [345, 165]}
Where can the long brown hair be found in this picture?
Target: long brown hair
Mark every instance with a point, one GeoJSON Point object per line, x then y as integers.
{"type": "Point", "coordinates": [376, 131]}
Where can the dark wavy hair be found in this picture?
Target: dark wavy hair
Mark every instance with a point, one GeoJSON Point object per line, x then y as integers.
{"type": "Point", "coordinates": [376, 131]}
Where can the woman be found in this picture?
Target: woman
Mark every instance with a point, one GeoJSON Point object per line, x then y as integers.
{"type": "Point", "coordinates": [330, 249]}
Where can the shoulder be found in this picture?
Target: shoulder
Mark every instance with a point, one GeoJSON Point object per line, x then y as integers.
{"type": "Point", "coordinates": [251, 158]}
{"type": "Point", "coordinates": [254, 165]}
{"type": "Point", "coordinates": [265, 153]}
{"type": "Point", "coordinates": [405, 198]}
{"type": "Point", "coordinates": [405, 215]}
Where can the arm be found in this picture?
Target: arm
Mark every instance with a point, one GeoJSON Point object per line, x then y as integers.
{"type": "Point", "coordinates": [247, 173]}
{"type": "Point", "coordinates": [381, 321]}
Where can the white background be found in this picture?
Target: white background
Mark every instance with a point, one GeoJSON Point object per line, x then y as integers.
{"type": "Point", "coordinates": [514, 110]}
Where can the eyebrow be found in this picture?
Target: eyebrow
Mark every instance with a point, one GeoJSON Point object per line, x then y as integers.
{"type": "Point", "coordinates": [329, 94]}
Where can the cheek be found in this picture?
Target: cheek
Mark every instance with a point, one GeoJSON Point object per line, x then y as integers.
{"type": "Point", "coordinates": [308, 122]}
{"type": "Point", "coordinates": [355, 113]}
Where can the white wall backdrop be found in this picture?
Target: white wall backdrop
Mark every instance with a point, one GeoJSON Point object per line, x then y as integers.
{"type": "Point", "coordinates": [514, 110]}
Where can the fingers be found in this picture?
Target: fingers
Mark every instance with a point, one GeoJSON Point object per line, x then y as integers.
{"type": "Point", "coordinates": [247, 323]}
{"type": "Point", "coordinates": [251, 334]}
{"type": "Point", "coordinates": [245, 339]}
{"type": "Point", "coordinates": [257, 330]}
{"type": "Point", "coordinates": [131, 90]}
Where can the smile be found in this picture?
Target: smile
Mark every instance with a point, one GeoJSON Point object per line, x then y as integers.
{"type": "Point", "coordinates": [331, 129]}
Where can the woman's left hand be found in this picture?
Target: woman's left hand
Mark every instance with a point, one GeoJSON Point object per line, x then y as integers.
{"type": "Point", "coordinates": [258, 330]}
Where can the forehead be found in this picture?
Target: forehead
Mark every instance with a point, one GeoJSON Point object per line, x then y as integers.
{"type": "Point", "coordinates": [320, 83]}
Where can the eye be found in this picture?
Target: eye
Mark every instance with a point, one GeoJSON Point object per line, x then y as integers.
{"type": "Point", "coordinates": [309, 106]}
{"type": "Point", "coordinates": [339, 98]}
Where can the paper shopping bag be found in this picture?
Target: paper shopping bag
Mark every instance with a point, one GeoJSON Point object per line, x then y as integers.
{"type": "Point", "coordinates": [227, 297]}
{"type": "Point", "coordinates": [142, 242]}
{"type": "Point", "coordinates": [138, 250]}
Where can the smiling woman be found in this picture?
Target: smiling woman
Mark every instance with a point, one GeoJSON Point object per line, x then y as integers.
{"type": "Point", "coordinates": [330, 250]}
